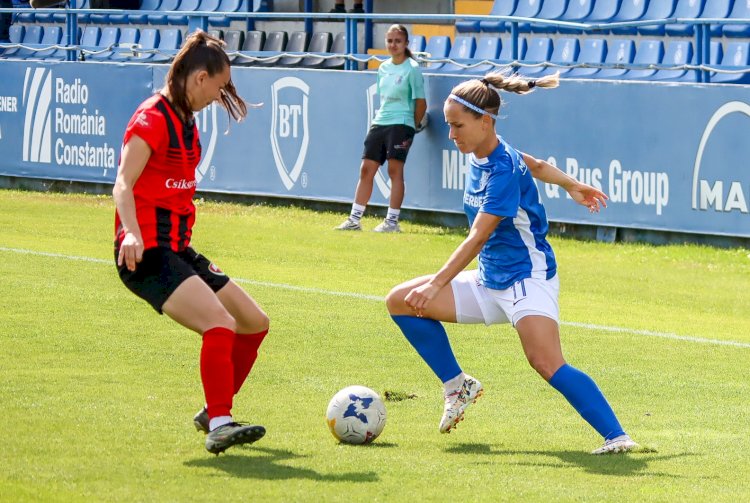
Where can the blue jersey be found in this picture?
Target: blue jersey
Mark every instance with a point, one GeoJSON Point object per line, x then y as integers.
{"type": "Point", "coordinates": [502, 185]}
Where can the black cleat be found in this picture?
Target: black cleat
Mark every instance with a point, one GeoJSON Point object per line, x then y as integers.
{"type": "Point", "coordinates": [227, 435]}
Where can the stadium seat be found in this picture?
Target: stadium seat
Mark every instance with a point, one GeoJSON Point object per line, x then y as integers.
{"type": "Point", "coordinates": [649, 52]}
{"type": "Point", "coordinates": [110, 37]}
{"type": "Point", "coordinates": [228, 6]}
{"type": "Point", "coordinates": [660, 9]}
{"type": "Point", "coordinates": [678, 52]}
{"type": "Point", "coordinates": [630, 10]}
{"type": "Point", "coordinates": [438, 47]}
{"type": "Point", "coordinates": [603, 12]}
{"type": "Point", "coordinates": [170, 40]}
{"type": "Point", "coordinates": [90, 38]}
{"type": "Point", "coordinates": [319, 43]}
{"type": "Point", "coordinates": [276, 42]}
{"type": "Point", "coordinates": [463, 48]}
{"type": "Point", "coordinates": [52, 36]}
{"type": "Point", "coordinates": [565, 52]}
{"type": "Point", "coordinates": [499, 8]}
{"type": "Point", "coordinates": [298, 42]}
{"type": "Point", "coordinates": [31, 36]}
{"type": "Point", "coordinates": [577, 12]}
{"type": "Point", "coordinates": [488, 49]}
{"type": "Point", "coordinates": [15, 34]}
{"type": "Point", "coordinates": [185, 6]}
{"type": "Point", "coordinates": [524, 8]}
{"type": "Point", "coordinates": [253, 42]}
{"type": "Point", "coordinates": [687, 8]}
{"type": "Point", "coordinates": [539, 50]}
{"type": "Point", "coordinates": [593, 52]}
{"type": "Point", "coordinates": [417, 43]}
{"type": "Point", "coordinates": [736, 57]}
{"type": "Point", "coordinates": [619, 52]}
{"type": "Point", "coordinates": [551, 9]}
{"type": "Point", "coordinates": [337, 47]}
{"type": "Point", "coordinates": [135, 17]}
{"type": "Point", "coordinates": [506, 50]}
{"type": "Point", "coordinates": [165, 5]}
{"type": "Point", "coordinates": [217, 34]}
{"type": "Point", "coordinates": [741, 10]}
{"type": "Point", "coordinates": [128, 37]}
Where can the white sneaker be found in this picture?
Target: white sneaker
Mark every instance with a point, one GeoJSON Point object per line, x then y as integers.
{"type": "Point", "coordinates": [623, 443]}
{"type": "Point", "coordinates": [349, 225]}
{"type": "Point", "coordinates": [456, 403]}
{"type": "Point", "coordinates": [387, 226]}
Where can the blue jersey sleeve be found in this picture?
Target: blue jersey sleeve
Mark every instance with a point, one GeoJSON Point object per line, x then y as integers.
{"type": "Point", "coordinates": [503, 194]}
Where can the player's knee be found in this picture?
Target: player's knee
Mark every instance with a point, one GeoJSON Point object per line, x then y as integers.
{"type": "Point", "coordinates": [394, 301]}
{"type": "Point", "coordinates": [545, 367]}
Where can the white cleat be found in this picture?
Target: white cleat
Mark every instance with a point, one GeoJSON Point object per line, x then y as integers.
{"type": "Point", "coordinates": [349, 225]}
{"type": "Point", "coordinates": [623, 443]}
{"type": "Point", "coordinates": [456, 403]}
{"type": "Point", "coordinates": [387, 226]}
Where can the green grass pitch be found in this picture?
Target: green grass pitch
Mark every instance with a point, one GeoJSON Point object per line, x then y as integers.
{"type": "Point", "coordinates": [98, 391]}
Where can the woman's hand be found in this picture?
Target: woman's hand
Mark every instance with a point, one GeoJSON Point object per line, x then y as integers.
{"type": "Point", "coordinates": [419, 297]}
{"type": "Point", "coordinates": [586, 195]}
{"type": "Point", "coordinates": [131, 251]}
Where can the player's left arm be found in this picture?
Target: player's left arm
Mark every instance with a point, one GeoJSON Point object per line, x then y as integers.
{"type": "Point", "coordinates": [584, 194]}
{"type": "Point", "coordinates": [420, 108]}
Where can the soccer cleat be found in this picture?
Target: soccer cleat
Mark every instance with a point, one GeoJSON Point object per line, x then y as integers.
{"type": "Point", "coordinates": [227, 435]}
{"type": "Point", "coordinates": [623, 443]}
{"type": "Point", "coordinates": [387, 226]}
{"type": "Point", "coordinates": [349, 225]}
{"type": "Point", "coordinates": [456, 403]}
{"type": "Point", "coordinates": [200, 420]}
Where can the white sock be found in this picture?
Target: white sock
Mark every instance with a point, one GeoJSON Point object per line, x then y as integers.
{"type": "Point", "coordinates": [452, 385]}
{"type": "Point", "coordinates": [357, 211]}
{"type": "Point", "coordinates": [392, 215]}
{"type": "Point", "coordinates": [218, 421]}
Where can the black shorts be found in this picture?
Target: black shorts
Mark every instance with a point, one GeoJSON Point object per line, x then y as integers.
{"type": "Point", "coordinates": [162, 270]}
{"type": "Point", "coordinates": [388, 142]}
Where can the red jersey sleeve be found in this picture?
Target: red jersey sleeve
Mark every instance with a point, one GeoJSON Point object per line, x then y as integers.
{"type": "Point", "coordinates": [150, 125]}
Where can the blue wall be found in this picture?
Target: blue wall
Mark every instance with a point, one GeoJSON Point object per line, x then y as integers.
{"type": "Point", "coordinates": [671, 157]}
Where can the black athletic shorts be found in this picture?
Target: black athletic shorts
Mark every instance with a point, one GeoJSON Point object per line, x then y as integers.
{"type": "Point", "coordinates": [162, 270]}
{"type": "Point", "coordinates": [388, 142]}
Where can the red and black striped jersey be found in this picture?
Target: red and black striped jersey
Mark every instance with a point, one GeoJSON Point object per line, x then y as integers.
{"type": "Point", "coordinates": [164, 191]}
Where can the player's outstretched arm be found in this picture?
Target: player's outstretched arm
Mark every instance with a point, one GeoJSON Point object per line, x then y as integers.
{"type": "Point", "coordinates": [584, 194]}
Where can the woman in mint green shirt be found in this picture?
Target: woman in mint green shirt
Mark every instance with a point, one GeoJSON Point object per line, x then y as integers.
{"type": "Point", "coordinates": [402, 108]}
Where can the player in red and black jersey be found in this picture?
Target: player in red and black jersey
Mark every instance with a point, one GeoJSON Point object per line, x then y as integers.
{"type": "Point", "coordinates": [153, 226]}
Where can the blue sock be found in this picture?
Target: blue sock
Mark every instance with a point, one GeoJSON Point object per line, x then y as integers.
{"type": "Point", "coordinates": [431, 342]}
{"type": "Point", "coordinates": [585, 397]}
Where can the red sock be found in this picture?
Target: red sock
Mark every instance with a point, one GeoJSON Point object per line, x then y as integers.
{"type": "Point", "coordinates": [216, 370]}
{"type": "Point", "coordinates": [244, 353]}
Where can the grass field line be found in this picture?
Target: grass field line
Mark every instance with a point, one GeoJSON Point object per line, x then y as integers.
{"type": "Point", "coordinates": [361, 296]}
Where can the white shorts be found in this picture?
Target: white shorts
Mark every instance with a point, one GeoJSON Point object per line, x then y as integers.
{"type": "Point", "coordinates": [476, 303]}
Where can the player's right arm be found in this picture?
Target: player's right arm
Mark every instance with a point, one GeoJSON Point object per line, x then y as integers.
{"type": "Point", "coordinates": [135, 155]}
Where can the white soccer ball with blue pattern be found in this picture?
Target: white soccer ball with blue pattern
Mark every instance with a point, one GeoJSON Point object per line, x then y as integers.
{"type": "Point", "coordinates": [356, 415]}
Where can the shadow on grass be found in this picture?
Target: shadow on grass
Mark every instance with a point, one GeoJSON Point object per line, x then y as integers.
{"type": "Point", "coordinates": [635, 463]}
{"type": "Point", "coordinates": [267, 466]}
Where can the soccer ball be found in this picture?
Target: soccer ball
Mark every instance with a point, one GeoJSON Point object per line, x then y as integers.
{"type": "Point", "coordinates": [356, 415]}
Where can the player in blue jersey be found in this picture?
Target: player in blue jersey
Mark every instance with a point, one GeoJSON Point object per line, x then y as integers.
{"type": "Point", "coordinates": [516, 281]}
{"type": "Point", "coordinates": [402, 108]}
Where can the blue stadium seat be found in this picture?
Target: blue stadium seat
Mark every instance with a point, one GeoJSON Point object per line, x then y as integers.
{"type": "Point", "coordinates": [630, 10]}
{"type": "Point", "coordinates": [253, 42]}
{"type": "Point", "coordinates": [216, 33]}
{"type": "Point", "coordinates": [15, 34]}
{"type": "Point", "coordinates": [109, 38]}
{"type": "Point", "coordinates": [185, 6]}
{"type": "Point", "coordinates": [276, 42]}
{"type": "Point", "coordinates": [499, 8]}
{"type": "Point", "coordinates": [565, 52]}
{"type": "Point", "coordinates": [539, 50]}
{"type": "Point", "coordinates": [53, 35]}
{"type": "Point", "coordinates": [90, 38]}
{"type": "Point", "coordinates": [524, 8]}
{"type": "Point", "coordinates": [593, 52]}
{"type": "Point", "coordinates": [577, 12]}
{"type": "Point", "coordinates": [165, 5]}
{"type": "Point", "coordinates": [298, 42]}
{"type": "Point", "coordinates": [506, 50]}
{"type": "Point", "coordinates": [227, 6]}
{"type": "Point", "coordinates": [551, 9]}
{"type": "Point", "coordinates": [135, 17]}
{"type": "Point", "coordinates": [650, 52]}
{"type": "Point", "coordinates": [686, 8]}
{"type": "Point", "coordinates": [439, 46]}
{"type": "Point", "coordinates": [736, 57]}
{"type": "Point", "coordinates": [320, 42]}
{"type": "Point", "coordinates": [149, 39]}
{"type": "Point", "coordinates": [417, 43]}
{"type": "Point", "coordinates": [32, 36]}
{"type": "Point", "coordinates": [27, 16]}
{"type": "Point", "coordinates": [619, 52]}
{"type": "Point", "coordinates": [337, 47]}
{"type": "Point", "coordinates": [660, 9]}
{"type": "Point", "coordinates": [741, 10]}
{"type": "Point", "coordinates": [463, 48]}
{"type": "Point", "coordinates": [170, 40]}
{"type": "Point", "coordinates": [128, 36]}
{"type": "Point", "coordinates": [678, 52]}
{"type": "Point", "coordinates": [603, 12]}
{"type": "Point", "coordinates": [488, 49]}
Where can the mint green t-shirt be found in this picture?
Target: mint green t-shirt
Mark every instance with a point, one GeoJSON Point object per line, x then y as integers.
{"type": "Point", "coordinates": [398, 87]}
